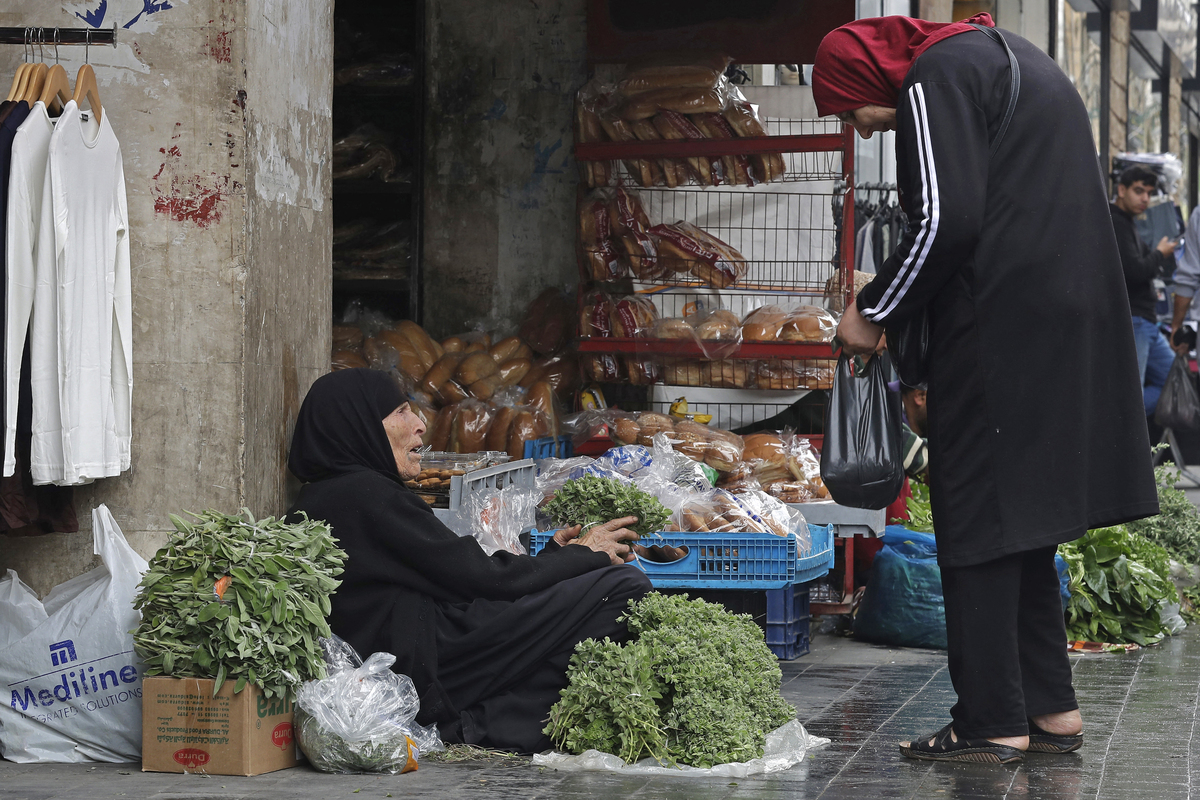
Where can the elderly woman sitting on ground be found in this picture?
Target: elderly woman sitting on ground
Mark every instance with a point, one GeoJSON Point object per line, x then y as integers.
{"type": "Point", "coordinates": [485, 639]}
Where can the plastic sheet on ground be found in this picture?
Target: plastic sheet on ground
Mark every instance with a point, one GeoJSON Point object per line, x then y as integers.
{"type": "Point", "coordinates": [786, 747]}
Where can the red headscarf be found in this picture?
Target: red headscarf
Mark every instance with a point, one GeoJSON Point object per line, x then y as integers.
{"type": "Point", "coordinates": [864, 62]}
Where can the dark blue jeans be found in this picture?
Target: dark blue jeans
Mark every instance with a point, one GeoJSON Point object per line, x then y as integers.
{"type": "Point", "coordinates": [1154, 356]}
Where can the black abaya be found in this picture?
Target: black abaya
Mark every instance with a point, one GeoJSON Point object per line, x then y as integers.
{"type": "Point", "coordinates": [485, 639]}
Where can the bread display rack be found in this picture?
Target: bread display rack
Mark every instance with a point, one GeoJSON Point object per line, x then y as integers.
{"type": "Point", "coordinates": [785, 229]}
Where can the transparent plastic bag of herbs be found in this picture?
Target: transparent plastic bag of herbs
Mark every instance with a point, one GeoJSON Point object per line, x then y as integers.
{"type": "Point", "coordinates": [362, 717]}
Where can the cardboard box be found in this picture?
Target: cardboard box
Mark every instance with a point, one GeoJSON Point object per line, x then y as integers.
{"type": "Point", "coordinates": [186, 729]}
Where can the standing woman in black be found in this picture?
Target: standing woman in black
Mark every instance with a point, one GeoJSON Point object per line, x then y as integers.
{"type": "Point", "coordinates": [1036, 428]}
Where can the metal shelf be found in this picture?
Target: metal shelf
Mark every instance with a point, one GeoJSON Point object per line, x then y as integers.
{"type": "Point", "coordinates": [683, 348]}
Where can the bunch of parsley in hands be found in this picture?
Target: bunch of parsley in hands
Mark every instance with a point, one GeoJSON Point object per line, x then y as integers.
{"type": "Point", "coordinates": [592, 499]}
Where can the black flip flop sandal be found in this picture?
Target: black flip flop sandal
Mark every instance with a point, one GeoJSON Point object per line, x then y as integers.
{"type": "Point", "coordinates": [1041, 741]}
{"type": "Point", "coordinates": [944, 749]}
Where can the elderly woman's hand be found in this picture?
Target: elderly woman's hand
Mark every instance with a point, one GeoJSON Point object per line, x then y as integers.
{"type": "Point", "coordinates": [612, 538]}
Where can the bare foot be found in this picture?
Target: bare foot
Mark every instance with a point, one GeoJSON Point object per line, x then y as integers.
{"type": "Point", "coordinates": [1064, 723]}
{"type": "Point", "coordinates": [1018, 742]}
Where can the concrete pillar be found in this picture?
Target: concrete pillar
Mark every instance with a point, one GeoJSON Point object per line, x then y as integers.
{"type": "Point", "coordinates": [1118, 84]}
{"type": "Point", "coordinates": [222, 108]}
{"type": "Point", "coordinates": [499, 176]}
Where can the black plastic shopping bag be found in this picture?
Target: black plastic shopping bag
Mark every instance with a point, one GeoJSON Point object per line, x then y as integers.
{"type": "Point", "coordinates": [1179, 405]}
{"type": "Point", "coordinates": [861, 461]}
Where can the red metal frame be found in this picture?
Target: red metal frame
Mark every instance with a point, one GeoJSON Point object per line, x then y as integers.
{"type": "Point", "coordinates": [788, 35]}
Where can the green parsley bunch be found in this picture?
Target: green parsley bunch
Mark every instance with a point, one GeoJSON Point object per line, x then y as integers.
{"type": "Point", "coordinates": [697, 686]}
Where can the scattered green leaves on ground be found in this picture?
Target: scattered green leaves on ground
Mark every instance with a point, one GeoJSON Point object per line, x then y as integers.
{"type": "Point", "coordinates": [697, 685]}
{"type": "Point", "coordinates": [1177, 526]}
{"type": "Point", "coordinates": [1119, 581]}
{"type": "Point", "coordinates": [234, 598]}
{"type": "Point", "coordinates": [592, 499]}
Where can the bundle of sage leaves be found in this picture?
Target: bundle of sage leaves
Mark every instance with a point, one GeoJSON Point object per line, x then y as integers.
{"type": "Point", "coordinates": [235, 598]}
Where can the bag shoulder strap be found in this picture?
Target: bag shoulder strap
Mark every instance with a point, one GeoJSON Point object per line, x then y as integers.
{"type": "Point", "coordinates": [1015, 86]}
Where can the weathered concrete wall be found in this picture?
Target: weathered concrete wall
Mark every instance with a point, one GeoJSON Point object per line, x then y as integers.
{"type": "Point", "coordinates": [229, 249]}
{"type": "Point", "coordinates": [499, 177]}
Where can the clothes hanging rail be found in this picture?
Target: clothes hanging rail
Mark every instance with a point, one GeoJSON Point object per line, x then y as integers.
{"type": "Point", "coordinates": [61, 36]}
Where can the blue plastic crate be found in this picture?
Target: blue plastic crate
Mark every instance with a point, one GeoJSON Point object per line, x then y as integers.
{"type": "Point", "coordinates": [791, 650]}
{"type": "Point", "coordinates": [789, 604]}
{"type": "Point", "coordinates": [549, 447]}
{"type": "Point", "coordinates": [818, 560]}
{"type": "Point", "coordinates": [785, 632]}
{"type": "Point", "coordinates": [716, 561]}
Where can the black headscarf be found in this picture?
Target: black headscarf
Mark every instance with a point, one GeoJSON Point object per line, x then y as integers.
{"type": "Point", "coordinates": [340, 426]}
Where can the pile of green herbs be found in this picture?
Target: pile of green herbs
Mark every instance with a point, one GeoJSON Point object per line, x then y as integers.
{"type": "Point", "coordinates": [594, 500]}
{"type": "Point", "coordinates": [697, 685]}
{"type": "Point", "coordinates": [920, 512]}
{"type": "Point", "coordinates": [231, 597]}
{"type": "Point", "coordinates": [1119, 582]}
{"type": "Point", "coordinates": [1177, 526]}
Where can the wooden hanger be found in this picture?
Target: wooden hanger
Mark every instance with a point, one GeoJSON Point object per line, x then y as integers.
{"type": "Point", "coordinates": [57, 89]}
{"type": "Point", "coordinates": [18, 85]}
{"type": "Point", "coordinates": [85, 86]}
{"type": "Point", "coordinates": [35, 83]}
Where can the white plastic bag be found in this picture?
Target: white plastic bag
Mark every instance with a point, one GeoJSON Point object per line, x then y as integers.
{"type": "Point", "coordinates": [361, 717]}
{"type": "Point", "coordinates": [72, 684]}
{"type": "Point", "coordinates": [786, 747]}
{"type": "Point", "coordinates": [497, 518]}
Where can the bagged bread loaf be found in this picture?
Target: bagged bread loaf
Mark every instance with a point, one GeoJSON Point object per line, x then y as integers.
{"type": "Point", "coordinates": [686, 248]}
{"type": "Point", "coordinates": [680, 100]}
{"type": "Point", "coordinates": [470, 426]}
{"type": "Point", "coordinates": [741, 117]}
{"type": "Point", "coordinates": [588, 129]}
{"type": "Point", "coordinates": [347, 337]}
{"type": "Point", "coordinates": [474, 367]}
{"type": "Point", "coordinates": [646, 172]}
{"type": "Point", "coordinates": [676, 127]}
{"type": "Point", "coordinates": [441, 372]}
{"type": "Point", "coordinates": [633, 316]}
{"type": "Point", "coordinates": [453, 392]}
{"type": "Point", "coordinates": [380, 355]}
{"type": "Point", "coordinates": [650, 424]}
{"type": "Point", "coordinates": [346, 359]}
{"type": "Point", "coordinates": [513, 370]}
{"type": "Point", "coordinates": [631, 233]}
{"type": "Point", "coordinates": [595, 316]}
{"type": "Point", "coordinates": [669, 76]}
{"type": "Point", "coordinates": [735, 168]}
{"type": "Point", "coordinates": [497, 435]}
{"type": "Point", "coordinates": [429, 350]}
{"type": "Point", "coordinates": [763, 324]}
{"type": "Point", "coordinates": [505, 349]}
{"type": "Point", "coordinates": [595, 237]}
{"type": "Point", "coordinates": [808, 324]}
{"type": "Point", "coordinates": [674, 170]}
{"type": "Point", "coordinates": [548, 324]}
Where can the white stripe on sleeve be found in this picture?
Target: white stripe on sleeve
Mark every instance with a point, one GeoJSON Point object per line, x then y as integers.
{"type": "Point", "coordinates": [931, 203]}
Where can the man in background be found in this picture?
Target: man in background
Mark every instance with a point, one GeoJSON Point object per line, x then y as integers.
{"type": "Point", "coordinates": [1142, 265]}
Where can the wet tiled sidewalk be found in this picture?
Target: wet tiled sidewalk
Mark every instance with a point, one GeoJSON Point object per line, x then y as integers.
{"type": "Point", "coordinates": [1140, 724]}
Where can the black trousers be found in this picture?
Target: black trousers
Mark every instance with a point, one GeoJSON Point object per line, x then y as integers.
{"type": "Point", "coordinates": [1007, 644]}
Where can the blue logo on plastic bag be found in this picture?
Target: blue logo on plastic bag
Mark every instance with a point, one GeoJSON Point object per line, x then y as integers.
{"type": "Point", "coordinates": [62, 652]}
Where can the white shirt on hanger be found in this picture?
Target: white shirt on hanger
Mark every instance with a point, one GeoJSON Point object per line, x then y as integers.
{"type": "Point", "coordinates": [81, 351]}
{"type": "Point", "coordinates": [27, 175]}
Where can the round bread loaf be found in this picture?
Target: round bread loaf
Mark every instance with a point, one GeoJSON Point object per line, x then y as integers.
{"type": "Point", "coordinates": [442, 371]}
{"type": "Point", "coordinates": [721, 324]}
{"type": "Point", "coordinates": [452, 392]}
{"type": "Point", "coordinates": [674, 329]}
{"type": "Point", "coordinates": [625, 431]}
{"type": "Point", "coordinates": [505, 349]}
{"type": "Point", "coordinates": [513, 370]}
{"type": "Point", "coordinates": [475, 367]}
